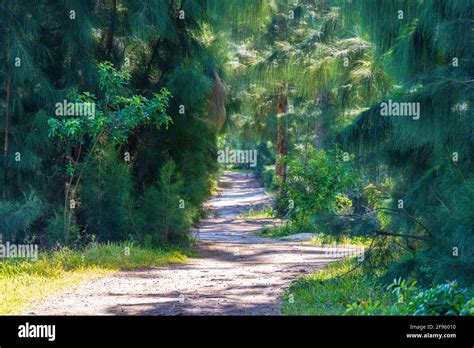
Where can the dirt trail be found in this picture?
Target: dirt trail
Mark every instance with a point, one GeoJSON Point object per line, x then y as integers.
{"type": "Point", "coordinates": [236, 273]}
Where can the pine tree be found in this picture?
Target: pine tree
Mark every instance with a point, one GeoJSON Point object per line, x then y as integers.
{"type": "Point", "coordinates": [25, 86]}
{"type": "Point", "coordinates": [427, 48]}
{"type": "Point", "coordinates": [58, 45]}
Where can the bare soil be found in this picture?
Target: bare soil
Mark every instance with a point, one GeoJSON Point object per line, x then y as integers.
{"type": "Point", "coordinates": [235, 272]}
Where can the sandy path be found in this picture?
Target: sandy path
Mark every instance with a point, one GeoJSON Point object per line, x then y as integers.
{"type": "Point", "coordinates": [236, 273]}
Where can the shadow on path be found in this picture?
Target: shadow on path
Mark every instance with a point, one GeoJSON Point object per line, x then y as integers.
{"type": "Point", "coordinates": [236, 273]}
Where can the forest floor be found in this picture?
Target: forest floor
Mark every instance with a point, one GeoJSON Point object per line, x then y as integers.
{"type": "Point", "coordinates": [234, 272]}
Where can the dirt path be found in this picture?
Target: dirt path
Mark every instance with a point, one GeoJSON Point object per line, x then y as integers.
{"type": "Point", "coordinates": [236, 273]}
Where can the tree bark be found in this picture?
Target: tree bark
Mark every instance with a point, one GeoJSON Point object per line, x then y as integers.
{"type": "Point", "coordinates": [320, 128]}
{"type": "Point", "coordinates": [280, 167]}
{"type": "Point", "coordinates": [111, 32]}
{"type": "Point", "coordinates": [6, 124]}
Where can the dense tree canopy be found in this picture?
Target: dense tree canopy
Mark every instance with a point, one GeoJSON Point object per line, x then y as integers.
{"type": "Point", "coordinates": [360, 111]}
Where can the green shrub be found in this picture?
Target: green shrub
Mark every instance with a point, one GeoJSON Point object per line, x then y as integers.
{"type": "Point", "coordinates": [57, 234]}
{"type": "Point", "coordinates": [164, 215]}
{"type": "Point", "coordinates": [342, 289]}
{"type": "Point", "coordinates": [468, 308]}
{"type": "Point", "coordinates": [106, 196]}
{"type": "Point", "coordinates": [407, 299]}
{"type": "Point", "coordinates": [317, 185]}
{"type": "Point", "coordinates": [16, 217]}
{"type": "Point", "coordinates": [444, 299]}
{"type": "Point", "coordinates": [266, 176]}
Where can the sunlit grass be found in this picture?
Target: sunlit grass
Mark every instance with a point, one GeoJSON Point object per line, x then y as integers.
{"type": "Point", "coordinates": [275, 232]}
{"type": "Point", "coordinates": [316, 238]}
{"type": "Point", "coordinates": [323, 239]}
{"type": "Point", "coordinates": [24, 283]}
{"type": "Point", "coordinates": [266, 213]}
{"type": "Point", "coordinates": [330, 290]}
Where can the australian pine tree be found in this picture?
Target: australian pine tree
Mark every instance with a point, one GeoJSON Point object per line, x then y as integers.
{"type": "Point", "coordinates": [25, 90]}
{"type": "Point", "coordinates": [50, 54]}
{"type": "Point", "coordinates": [427, 50]}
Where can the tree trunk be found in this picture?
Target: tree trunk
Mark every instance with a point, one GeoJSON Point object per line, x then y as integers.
{"type": "Point", "coordinates": [320, 128]}
{"type": "Point", "coordinates": [280, 167]}
{"type": "Point", "coordinates": [6, 124]}
{"type": "Point", "coordinates": [110, 33]}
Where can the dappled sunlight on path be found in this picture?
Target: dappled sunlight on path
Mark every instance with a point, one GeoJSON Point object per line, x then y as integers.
{"type": "Point", "coordinates": [236, 273]}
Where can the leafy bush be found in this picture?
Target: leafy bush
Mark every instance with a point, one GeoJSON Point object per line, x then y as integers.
{"type": "Point", "coordinates": [407, 299]}
{"type": "Point", "coordinates": [190, 144]}
{"type": "Point", "coordinates": [468, 308]}
{"type": "Point", "coordinates": [315, 186]}
{"type": "Point", "coordinates": [100, 184]}
{"type": "Point", "coordinates": [341, 289]}
{"type": "Point", "coordinates": [444, 299]}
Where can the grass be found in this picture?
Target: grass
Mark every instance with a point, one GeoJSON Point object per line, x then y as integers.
{"type": "Point", "coordinates": [322, 239]}
{"type": "Point", "coordinates": [275, 232]}
{"type": "Point", "coordinates": [327, 292]}
{"type": "Point", "coordinates": [266, 213]}
{"type": "Point", "coordinates": [332, 289]}
{"type": "Point", "coordinates": [317, 239]}
{"type": "Point", "coordinates": [24, 283]}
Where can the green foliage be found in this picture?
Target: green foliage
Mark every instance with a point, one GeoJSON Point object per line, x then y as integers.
{"type": "Point", "coordinates": [430, 159]}
{"type": "Point", "coordinates": [106, 192]}
{"type": "Point", "coordinates": [164, 217]}
{"type": "Point", "coordinates": [340, 289]}
{"type": "Point", "coordinates": [56, 235]}
{"type": "Point", "coordinates": [143, 51]}
{"type": "Point", "coordinates": [268, 177]}
{"type": "Point", "coordinates": [317, 184]}
{"type": "Point", "coordinates": [128, 113]}
{"type": "Point", "coordinates": [106, 196]}
{"type": "Point", "coordinates": [17, 217]}
{"type": "Point", "coordinates": [444, 299]}
{"type": "Point", "coordinates": [265, 213]}
{"type": "Point", "coordinates": [329, 291]}
{"type": "Point", "coordinates": [407, 299]}
{"type": "Point", "coordinates": [189, 85]}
